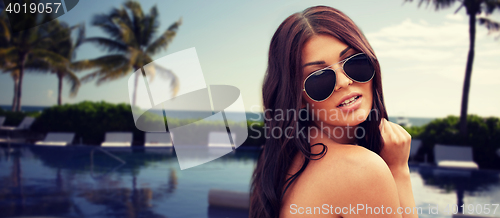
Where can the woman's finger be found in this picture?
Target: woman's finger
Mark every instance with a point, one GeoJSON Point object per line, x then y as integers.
{"type": "Point", "coordinates": [388, 130]}
{"type": "Point", "coordinates": [397, 131]}
{"type": "Point", "coordinates": [403, 133]}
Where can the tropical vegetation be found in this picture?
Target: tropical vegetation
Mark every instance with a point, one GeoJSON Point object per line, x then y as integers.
{"type": "Point", "coordinates": [477, 10]}
{"type": "Point", "coordinates": [131, 44]}
{"type": "Point", "coordinates": [50, 48]}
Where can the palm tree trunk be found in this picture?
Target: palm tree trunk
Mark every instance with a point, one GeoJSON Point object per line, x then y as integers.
{"type": "Point", "coordinates": [59, 88]}
{"type": "Point", "coordinates": [471, 10]}
{"type": "Point", "coordinates": [136, 80]}
{"type": "Point", "coordinates": [135, 89]}
{"type": "Point", "coordinates": [22, 61]}
{"type": "Point", "coordinates": [14, 99]}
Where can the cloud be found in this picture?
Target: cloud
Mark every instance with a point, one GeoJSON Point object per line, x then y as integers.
{"type": "Point", "coordinates": [423, 63]}
{"type": "Point", "coordinates": [50, 94]}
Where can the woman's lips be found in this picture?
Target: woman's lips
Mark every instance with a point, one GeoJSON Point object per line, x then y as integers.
{"type": "Point", "coordinates": [352, 106]}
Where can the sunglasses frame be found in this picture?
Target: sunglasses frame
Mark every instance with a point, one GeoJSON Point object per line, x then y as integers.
{"type": "Point", "coordinates": [335, 72]}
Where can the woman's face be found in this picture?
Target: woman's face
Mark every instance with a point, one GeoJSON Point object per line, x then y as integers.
{"type": "Point", "coordinates": [321, 51]}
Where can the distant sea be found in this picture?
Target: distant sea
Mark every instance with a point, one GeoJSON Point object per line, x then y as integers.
{"type": "Point", "coordinates": [415, 121]}
{"type": "Point", "coordinates": [25, 108]}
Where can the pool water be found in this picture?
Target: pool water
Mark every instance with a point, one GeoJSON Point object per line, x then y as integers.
{"type": "Point", "coordinates": [88, 182]}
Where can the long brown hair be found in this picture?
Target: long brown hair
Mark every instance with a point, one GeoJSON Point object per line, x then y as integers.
{"type": "Point", "coordinates": [281, 90]}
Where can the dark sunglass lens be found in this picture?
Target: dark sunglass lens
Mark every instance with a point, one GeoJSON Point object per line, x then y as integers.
{"type": "Point", "coordinates": [359, 68]}
{"type": "Point", "coordinates": [321, 84]}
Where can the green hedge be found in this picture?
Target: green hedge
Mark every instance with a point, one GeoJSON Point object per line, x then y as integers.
{"type": "Point", "coordinates": [483, 136]}
{"type": "Point", "coordinates": [91, 120]}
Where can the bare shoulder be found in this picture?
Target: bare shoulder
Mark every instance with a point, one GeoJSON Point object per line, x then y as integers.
{"type": "Point", "coordinates": [346, 175]}
{"type": "Point", "coordinates": [354, 175]}
{"type": "Point", "coordinates": [350, 161]}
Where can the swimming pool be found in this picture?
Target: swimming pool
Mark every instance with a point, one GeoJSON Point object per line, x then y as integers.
{"type": "Point", "coordinates": [87, 182]}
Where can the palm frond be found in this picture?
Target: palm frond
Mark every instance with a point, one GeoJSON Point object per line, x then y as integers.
{"type": "Point", "coordinates": [74, 82]}
{"type": "Point", "coordinates": [4, 52]}
{"type": "Point", "coordinates": [137, 18]}
{"type": "Point", "coordinates": [38, 66]}
{"type": "Point", "coordinates": [490, 6]}
{"type": "Point", "coordinates": [80, 37]}
{"type": "Point", "coordinates": [151, 25]}
{"type": "Point", "coordinates": [164, 40]}
{"type": "Point", "coordinates": [50, 57]}
{"type": "Point", "coordinates": [134, 31]}
{"type": "Point", "coordinates": [108, 65]}
{"type": "Point", "coordinates": [4, 28]}
{"type": "Point", "coordinates": [123, 15]}
{"type": "Point", "coordinates": [107, 74]}
{"type": "Point", "coordinates": [83, 65]}
{"type": "Point", "coordinates": [491, 25]}
{"type": "Point", "coordinates": [135, 8]}
{"type": "Point", "coordinates": [128, 35]}
{"type": "Point", "coordinates": [155, 70]}
{"type": "Point", "coordinates": [106, 23]}
{"type": "Point", "coordinates": [109, 45]}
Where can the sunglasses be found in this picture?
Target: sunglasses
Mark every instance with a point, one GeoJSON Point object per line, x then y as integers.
{"type": "Point", "coordinates": [320, 84]}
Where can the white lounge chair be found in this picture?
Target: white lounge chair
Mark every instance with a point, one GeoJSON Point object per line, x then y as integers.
{"type": "Point", "coordinates": [220, 139]}
{"type": "Point", "coordinates": [415, 146]}
{"type": "Point", "coordinates": [454, 157]}
{"type": "Point", "coordinates": [25, 124]}
{"type": "Point", "coordinates": [117, 139]}
{"type": "Point", "coordinates": [2, 120]}
{"type": "Point", "coordinates": [57, 139]}
{"type": "Point", "coordinates": [157, 139]}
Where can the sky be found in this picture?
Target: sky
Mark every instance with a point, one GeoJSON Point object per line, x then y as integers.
{"type": "Point", "coordinates": [422, 52]}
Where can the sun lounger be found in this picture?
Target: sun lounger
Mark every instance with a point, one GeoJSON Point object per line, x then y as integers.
{"type": "Point", "coordinates": [117, 139]}
{"type": "Point", "coordinates": [220, 139]}
{"type": "Point", "coordinates": [157, 139]}
{"type": "Point", "coordinates": [57, 139]}
{"type": "Point", "coordinates": [454, 157]}
{"type": "Point", "coordinates": [25, 124]}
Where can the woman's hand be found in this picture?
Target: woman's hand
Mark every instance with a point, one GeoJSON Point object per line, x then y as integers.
{"type": "Point", "coordinates": [395, 153]}
{"type": "Point", "coordinates": [396, 145]}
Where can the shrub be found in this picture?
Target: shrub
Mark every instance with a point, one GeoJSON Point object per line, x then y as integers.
{"type": "Point", "coordinates": [88, 120]}
{"type": "Point", "coordinates": [91, 120]}
{"type": "Point", "coordinates": [483, 135]}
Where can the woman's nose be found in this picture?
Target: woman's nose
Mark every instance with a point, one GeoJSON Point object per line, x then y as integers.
{"type": "Point", "coordinates": [342, 79]}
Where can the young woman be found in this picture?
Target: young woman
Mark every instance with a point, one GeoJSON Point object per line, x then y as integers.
{"type": "Point", "coordinates": [337, 156]}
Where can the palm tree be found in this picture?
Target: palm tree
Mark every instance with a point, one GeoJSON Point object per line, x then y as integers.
{"type": "Point", "coordinates": [473, 8]}
{"type": "Point", "coordinates": [130, 43]}
{"type": "Point", "coordinates": [5, 62]}
{"type": "Point", "coordinates": [63, 45]}
{"type": "Point", "coordinates": [24, 48]}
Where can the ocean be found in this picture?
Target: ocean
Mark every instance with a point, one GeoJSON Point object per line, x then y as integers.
{"type": "Point", "coordinates": [251, 116]}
